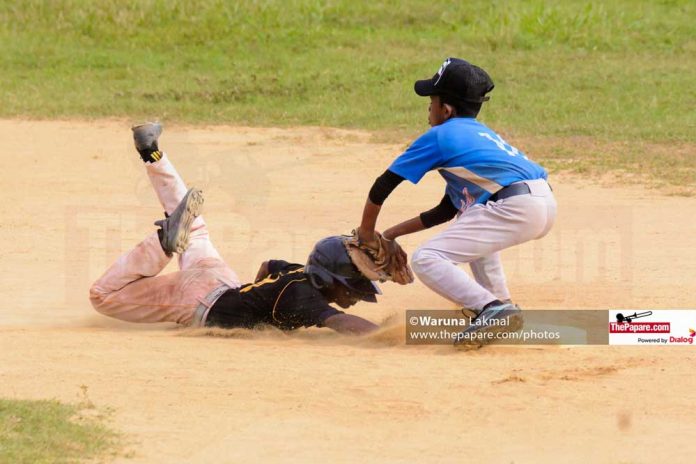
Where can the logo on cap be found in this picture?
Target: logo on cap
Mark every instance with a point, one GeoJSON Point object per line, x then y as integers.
{"type": "Point", "coordinates": [441, 71]}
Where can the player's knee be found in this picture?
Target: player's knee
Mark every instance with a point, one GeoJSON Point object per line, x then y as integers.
{"type": "Point", "coordinates": [421, 259]}
{"type": "Point", "coordinates": [97, 297]}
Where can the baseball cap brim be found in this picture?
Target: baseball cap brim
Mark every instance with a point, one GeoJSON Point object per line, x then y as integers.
{"type": "Point", "coordinates": [425, 88]}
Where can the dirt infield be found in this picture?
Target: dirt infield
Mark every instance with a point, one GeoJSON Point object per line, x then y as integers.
{"type": "Point", "coordinates": [75, 196]}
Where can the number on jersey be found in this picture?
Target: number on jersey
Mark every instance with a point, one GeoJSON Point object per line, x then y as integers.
{"type": "Point", "coordinates": [502, 144]}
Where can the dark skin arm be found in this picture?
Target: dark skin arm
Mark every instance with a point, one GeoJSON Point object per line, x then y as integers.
{"type": "Point", "coordinates": [438, 113]}
{"type": "Point", "coordinates": [263, 272]}
{"type": "Point", "coordinates": [367, 228]}
{"type": "Point", "coordinates": [346, 323]}
{"type": "Point", "coordinates": [369, 220]}
{"type": "Point", "coordinates": [407, 227]}
{"type": "Point", "coordinates": [349, 324]}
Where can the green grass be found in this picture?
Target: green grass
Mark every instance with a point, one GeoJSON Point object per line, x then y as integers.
{"type": "Point", "coordinates": [613, 71]}
{"type": "Point", "coordinates": [50, 432]}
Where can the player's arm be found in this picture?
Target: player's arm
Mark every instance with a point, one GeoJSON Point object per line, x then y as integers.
{"type": "Point", "coordinates": [422, 156]}
{"type": "Point", "coordinates": [263, 272]}
{"type": "Point", "coordinates": [349, 324]}
{"type": "Point", "coordinates": [384, 185]}
{"type": "Point", "coordinates": [441, 213]}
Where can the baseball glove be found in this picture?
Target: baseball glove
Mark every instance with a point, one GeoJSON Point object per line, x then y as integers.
{"type": "Point", "coordinates": [379, 259]}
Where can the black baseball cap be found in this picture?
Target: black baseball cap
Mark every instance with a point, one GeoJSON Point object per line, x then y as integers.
{"type": "Point", "coordinates": [458, 80]}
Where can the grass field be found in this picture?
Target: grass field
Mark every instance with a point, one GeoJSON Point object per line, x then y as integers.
{"type": "Point", "coordinates": [618, 71]}
{"type": "Point", "coordinates": [39, 432]}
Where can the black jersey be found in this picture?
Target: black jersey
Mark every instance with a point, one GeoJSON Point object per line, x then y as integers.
{"type": "Point", "coordinates": [285, 299]}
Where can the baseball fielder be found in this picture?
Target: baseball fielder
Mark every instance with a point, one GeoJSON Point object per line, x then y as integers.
{"type": "Point", "coordinates": [499, 196]}
{"type": "Point", "coordinates": [205, 291]}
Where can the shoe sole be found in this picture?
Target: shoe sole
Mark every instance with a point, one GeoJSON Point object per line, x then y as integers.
{"type": "Point", "coordinates": [194, 203]}
{"type": "Point", "coordinates": [516, 322]}
{"type": "Point", "coordinates": [140, 131]}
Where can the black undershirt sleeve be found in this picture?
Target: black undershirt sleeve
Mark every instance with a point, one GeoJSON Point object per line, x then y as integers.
{"type": "Point", "coordinates": [277, 265]}
{"type": "Point", "coordinates": [439, 214]}
{"type": "Point", "coordinates": [383, 186]}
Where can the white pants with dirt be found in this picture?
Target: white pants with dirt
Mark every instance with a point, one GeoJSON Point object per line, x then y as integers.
{"type": "Point", "coordinates": [476, 237]}
{"type": "Point", "coordinates": [131, 288]}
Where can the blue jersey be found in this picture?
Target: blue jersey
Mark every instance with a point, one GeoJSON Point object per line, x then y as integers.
{"type": "Point", "coordinates": [474, 161]}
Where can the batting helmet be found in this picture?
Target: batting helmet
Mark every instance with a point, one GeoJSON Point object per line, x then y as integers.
{"type": "Point", "coordinates": [329, 263]}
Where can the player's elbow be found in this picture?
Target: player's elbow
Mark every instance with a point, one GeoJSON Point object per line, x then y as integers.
{"type": "Point", "coordinates": [263, 271]}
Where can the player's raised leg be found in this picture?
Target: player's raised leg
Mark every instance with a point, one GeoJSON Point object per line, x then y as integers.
{"type": "Point", "coordinates": [166, 181]}
{"type": "Point", "coordinates": [170, 189]}
{"type": "Point", "coordinates": [129, 290]}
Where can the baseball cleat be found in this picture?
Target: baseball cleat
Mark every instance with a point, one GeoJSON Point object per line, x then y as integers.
{"type": "Point", "coordinates": [175, 229]}
{"type": "Point", "coordinates": [505, 318]}
{"type": "Point", "coordinates": [145, 137]}
{"type": "Point", "coordinates": [470, 313]}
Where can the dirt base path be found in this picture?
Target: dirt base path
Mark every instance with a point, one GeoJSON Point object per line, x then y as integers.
{"type": "Point", "coordinates": [75, 196]}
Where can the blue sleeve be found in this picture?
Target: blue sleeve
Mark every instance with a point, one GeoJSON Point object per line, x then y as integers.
{"type": "Point", "coordinates": [422, 156]}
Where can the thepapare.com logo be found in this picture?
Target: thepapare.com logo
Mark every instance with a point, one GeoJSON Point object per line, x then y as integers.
{"type": "Point", "coordinates": [640, 327]}
{"type": "Point", "coordinates": [626, 324]}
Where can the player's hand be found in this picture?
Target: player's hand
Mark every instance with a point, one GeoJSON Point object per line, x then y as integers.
{"type": "Point", "coordinates": [369, 239]}
{"type": "Point", "coordinates": [394, 252]}
{"type": "Point", "coordinates": [389, 260]}
{"type": "Point", "coordinates": [396, 264]}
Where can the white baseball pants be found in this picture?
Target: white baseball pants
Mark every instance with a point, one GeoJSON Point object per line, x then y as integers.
{"type": "Point", "coordinates": [476, 237]}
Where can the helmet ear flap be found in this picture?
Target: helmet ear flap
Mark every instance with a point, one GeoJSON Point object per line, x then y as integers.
{"type": "Point", "coordinates": [318, 277]}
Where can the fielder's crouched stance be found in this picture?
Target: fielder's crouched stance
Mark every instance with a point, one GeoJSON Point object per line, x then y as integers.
{"type": "Point", "coordinates": [205, 291]}
{"type": "Point", "coordinates": [499, 196]}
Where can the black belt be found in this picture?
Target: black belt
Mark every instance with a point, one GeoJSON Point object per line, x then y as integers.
{"type": "Point", "coordinates": [510, 191]}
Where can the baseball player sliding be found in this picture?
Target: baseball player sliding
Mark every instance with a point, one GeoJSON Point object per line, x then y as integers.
{"type": "Point", "coordinates": [500, 197]}
{"type": "Point", "coordinates": [205, 291]}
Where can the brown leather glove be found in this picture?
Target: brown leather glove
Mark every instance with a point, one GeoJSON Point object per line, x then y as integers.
{"type": "Point", "coordinates": [379, 258]}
